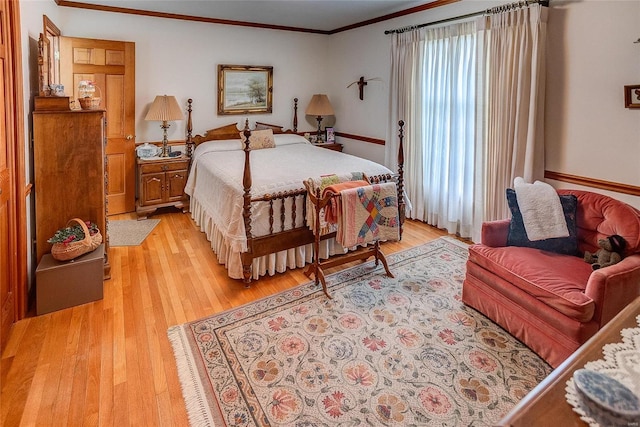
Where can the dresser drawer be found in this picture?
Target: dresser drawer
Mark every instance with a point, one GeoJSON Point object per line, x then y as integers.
{"type": "Point", "coordinates": [163, 166]}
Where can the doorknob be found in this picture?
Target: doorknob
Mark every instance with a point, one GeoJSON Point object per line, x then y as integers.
{"type": "Point", "coordinates": [129, 137]}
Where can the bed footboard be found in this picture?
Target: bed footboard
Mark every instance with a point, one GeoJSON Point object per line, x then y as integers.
{"type": "Point", "coordinates": [280, 238]}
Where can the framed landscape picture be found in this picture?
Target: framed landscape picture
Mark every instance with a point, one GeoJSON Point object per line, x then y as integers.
{"type": "Point", "coordinates": [244, 89]}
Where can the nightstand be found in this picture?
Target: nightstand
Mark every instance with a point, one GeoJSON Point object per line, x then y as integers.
{"type": "Point", "coordinates": [332, 146]}
{"type": "Point", "coordinates": [161, 183]}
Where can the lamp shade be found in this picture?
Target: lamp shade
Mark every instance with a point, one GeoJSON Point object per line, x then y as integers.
{"type": "Point", "coordinates": [164, 108]}
{"type": "Point", "coordinates": [319, 106]}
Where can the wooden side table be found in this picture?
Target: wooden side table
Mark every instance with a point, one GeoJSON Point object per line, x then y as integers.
{"type": "Point", "coordinates": [546, 404]}
{"type": "Point", "coordinates": [161, 183]}
{"type": "Point", "coordinates": [332, 146]}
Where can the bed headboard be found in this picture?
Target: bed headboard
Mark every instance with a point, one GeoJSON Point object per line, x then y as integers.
{"type": "Point", "coordinates": [274, 128]}
{"type": "Point", "coordinates": [231, 131]}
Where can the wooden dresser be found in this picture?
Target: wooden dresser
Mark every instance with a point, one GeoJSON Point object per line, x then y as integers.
{"type": "Point", "coordinates": [546, 404]}
{"type": "Point", "coordinates": [69, 172]}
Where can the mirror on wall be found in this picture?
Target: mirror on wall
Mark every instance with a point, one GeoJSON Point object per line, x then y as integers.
{"type": "Point", "coordinates": [48, 57]}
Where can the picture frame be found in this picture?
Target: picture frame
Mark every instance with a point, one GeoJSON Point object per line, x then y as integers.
{"type": "Point", "coordinates": [245, 89]}
{"type": "Point", "coordinates": [632, 96]}
{"type": "Point", "coordinates": [330, 135]}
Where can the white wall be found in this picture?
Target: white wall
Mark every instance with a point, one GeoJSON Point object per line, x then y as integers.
{"type": "Point", "coordinates": [180, 58]}
{"type": "Point", "coordinates": [591, 56]}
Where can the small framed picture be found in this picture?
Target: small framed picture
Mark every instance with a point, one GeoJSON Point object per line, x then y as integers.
{"type": "Point", "coordinates": [330, 135]}
{"type": "Point", "coordinates": [632, 96]}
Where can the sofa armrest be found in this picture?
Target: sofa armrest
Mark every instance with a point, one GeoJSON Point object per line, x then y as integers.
{"type": "Point", "coordinates": [613, 287]}
{"type": "Point", "coordinates": [494, 233]}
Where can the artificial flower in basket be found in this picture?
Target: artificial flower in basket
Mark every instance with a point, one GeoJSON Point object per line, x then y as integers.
{"type": "Point", "coordinates": [75, 240]}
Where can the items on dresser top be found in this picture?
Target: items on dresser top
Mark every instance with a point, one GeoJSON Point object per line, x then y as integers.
{"type": "Point", "coordinates": [147, 150]}
{"type": "Point", "coordinates": [605, 395]}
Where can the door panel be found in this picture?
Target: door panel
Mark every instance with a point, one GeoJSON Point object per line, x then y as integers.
{"type": "Point", "coordinates": [177, 182]}
{"type": "Point", "coordinates": [111, 65]}
{"type": "Point", "coordinates": [7, 240]}
{"type": "Point", "coordinates": [152, 186]}
{"type": "Point", "coordinates": [117, 179]}
{"type": "Point", "coordinates": [120, 150]}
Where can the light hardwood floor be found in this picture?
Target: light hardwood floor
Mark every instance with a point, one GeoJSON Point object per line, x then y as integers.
{"type": "Point", "coordinates": [109, 363]}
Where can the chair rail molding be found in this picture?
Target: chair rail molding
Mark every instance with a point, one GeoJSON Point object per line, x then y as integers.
{"type": "Point", "coordinates": [593, 182]}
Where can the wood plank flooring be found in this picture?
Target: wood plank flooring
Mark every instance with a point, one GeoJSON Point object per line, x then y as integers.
{"type": "Point", "coordinates": [110, 363]}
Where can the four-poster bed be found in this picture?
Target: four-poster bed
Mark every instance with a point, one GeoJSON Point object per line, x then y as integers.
{"type": "Point", "coordinates": [252, 204]}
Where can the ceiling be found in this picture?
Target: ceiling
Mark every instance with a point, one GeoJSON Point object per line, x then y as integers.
{"type": "Point", "coordinates": [316, 15]}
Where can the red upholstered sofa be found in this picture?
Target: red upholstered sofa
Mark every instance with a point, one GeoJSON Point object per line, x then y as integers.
{"type": "Point", "coordinates": [551, 302]}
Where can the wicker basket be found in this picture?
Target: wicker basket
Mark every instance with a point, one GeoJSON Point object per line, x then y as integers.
{"type": "Point", "coordinates": [91, 103]}
{"type": "Point", "coordinates": [69, 251]}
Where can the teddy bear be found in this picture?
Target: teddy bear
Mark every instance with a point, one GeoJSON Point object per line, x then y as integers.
{"type": "Point", "coordinates": [610, 252]}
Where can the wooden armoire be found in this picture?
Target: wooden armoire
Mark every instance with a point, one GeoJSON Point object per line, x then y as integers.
{"type": "Point", "coordinates": [69, 170]}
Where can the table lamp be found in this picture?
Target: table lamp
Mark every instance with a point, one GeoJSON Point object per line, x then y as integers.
{"type": "Point", "coordinates": [164, 109]}
{"type": "Point", "coordinates": [319, 106]}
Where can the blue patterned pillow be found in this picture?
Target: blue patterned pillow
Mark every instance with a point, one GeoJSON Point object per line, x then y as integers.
{"type": "Point", "coordinates": [562, 245]}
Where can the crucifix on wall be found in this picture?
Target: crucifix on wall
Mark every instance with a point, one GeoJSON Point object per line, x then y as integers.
{"type": "Point", "coordinates": [361, 84]}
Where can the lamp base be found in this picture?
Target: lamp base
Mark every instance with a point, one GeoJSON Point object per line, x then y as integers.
{"type": "Point", "coordinates": [319, 136]}
{"type": "Point", "coordinates": [165, 142]}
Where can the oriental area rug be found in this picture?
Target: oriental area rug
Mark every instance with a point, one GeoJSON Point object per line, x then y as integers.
{"type": "Point", "coordinates": [401, 351]}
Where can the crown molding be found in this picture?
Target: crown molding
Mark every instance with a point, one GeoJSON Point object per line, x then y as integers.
{"type": "Point", "coordinates": [131, 11]}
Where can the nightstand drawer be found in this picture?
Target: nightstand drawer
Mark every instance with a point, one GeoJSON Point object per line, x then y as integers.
{"type": "Point", "coordinates": [155, 166]}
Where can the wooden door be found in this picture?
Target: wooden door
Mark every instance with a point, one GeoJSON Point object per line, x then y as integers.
{"type": "Point", "coordinates": [12, 240]}
{"type": "Point", "coordinates": [6, 291]}
{"type": "Point", "coordinates": [111, 65]}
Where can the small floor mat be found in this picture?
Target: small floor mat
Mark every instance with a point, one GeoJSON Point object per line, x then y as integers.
{"type": "Point", "coordinates": [130, 232]}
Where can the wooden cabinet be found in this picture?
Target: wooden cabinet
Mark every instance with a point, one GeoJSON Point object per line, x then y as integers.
{"type": "Point", "coordinates": [546, 403]}
{"type": "Point", "coordinates": [69, 173]}
{"type": "Point", "coordinates": [332, 146]}
{"type": "Point", "coordinates": [161, 183]}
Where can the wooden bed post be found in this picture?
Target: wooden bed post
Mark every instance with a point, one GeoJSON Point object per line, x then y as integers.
{"type": "Point", "coordinates": [247, 257]}
{"type": "Point", "coordinates": [295, 114]}
{"type": "Point", "coordinates": [401, 206]}
{"type": "Point", "coordinates": [189, 129]}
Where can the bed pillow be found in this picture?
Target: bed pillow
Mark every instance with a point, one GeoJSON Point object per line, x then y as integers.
{"type": "Point", "coordinates": [260, 139]}
{"type": "Point", "coordinates": [289, 138]}
{"type": "Point", "coordinates": [561, 245]}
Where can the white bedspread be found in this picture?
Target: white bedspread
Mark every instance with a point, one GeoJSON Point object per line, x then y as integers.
{"type": "Point", "coordinates": [215, 187]}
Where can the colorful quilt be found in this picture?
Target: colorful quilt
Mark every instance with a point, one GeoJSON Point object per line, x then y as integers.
{"type": "Point", "coordinates": [368, 214]}
{"type": "Point", "coordinates": [322, 183]}
{"type": "Point", "coordinates": [333, 209]}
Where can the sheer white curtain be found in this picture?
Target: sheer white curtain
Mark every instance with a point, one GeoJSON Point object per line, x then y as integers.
{"type": "Point", "coordinates": [433, 91]}
{"type": "Point", "coordinates": [473, 103]}
{"type": "Point", "coordinates": [512, 74]}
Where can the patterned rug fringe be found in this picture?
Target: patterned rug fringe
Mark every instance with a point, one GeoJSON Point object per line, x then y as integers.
{"type": "Point", "coordinates": [197, 409]}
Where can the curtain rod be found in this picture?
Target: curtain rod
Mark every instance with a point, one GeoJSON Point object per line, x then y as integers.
{"type": "Point", "coordinates": [497, 9]}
